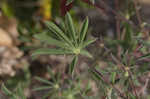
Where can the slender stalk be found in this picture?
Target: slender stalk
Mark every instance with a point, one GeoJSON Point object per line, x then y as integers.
{"type": "Point", "coordinates": [123, 68]}
{"type": "Point", "coordinates": [108, 83]}
{"type": "Point", "coordinates": [107, 7]}
{"type": "Point", "coordinates": [137, 12]}
{"type": "Point", "coordinates": [118, 28]}
{"type": "Point", "coordinates": [132, 84]}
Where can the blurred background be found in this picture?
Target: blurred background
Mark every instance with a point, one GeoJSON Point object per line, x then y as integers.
{"type": "Point", "coordinates": [21, 19]}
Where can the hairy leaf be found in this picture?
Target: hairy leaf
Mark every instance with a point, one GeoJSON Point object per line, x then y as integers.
{"type": "Point", "coordinates": [73, 64]}
{"type": "Point", "coordinates": [55, 29]}
{"type": "Point", "coordinates": [87, 43]}
{"type": "Point", "coordinates": [43, 80]}
{"type": "Point", "coordinates": [70, 27]}
{"type": "Point", "coordinates": [42, 88]}
{"type": "Point", "coordinates": [6, 91]}
{"type": "Point", "coordinates": [45, 38]}
{"type": "Point", "coordinates": [45, 51]}
{"type": "Point", "coordinates": [113, 76]}
{"type": "Point", "coordinates": [84, 30]}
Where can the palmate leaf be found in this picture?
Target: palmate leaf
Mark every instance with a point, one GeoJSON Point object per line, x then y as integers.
{"type": "Point", "coordinates": [47, 39]}
{"type": "Point", "coordinates": [84, 30]}
{"type": "Point", "coordinates": [73, 64]}
{"type": "Point", "coordinates": [55, 29]}
{"type": "Point", "coordinates": [14, 95]}
{"type": "Point", "coordinates": [44, 51]}
{"type": "Point", "coordinates": [50, 93]}
{"type": "Point", "coordinates": [70, 42]}
{"type": "Point", "coordinates": [52, 74]}
{"type": "Point", "coordinates": [70, 27]}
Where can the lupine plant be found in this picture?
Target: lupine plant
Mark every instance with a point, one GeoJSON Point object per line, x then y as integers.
{"type": "Point", "coordinates": [68, 40]}
{"type": "Point", "coordinates": [57, 89]}
{"type": "Point", "coordinates": [17, 94]}
{"type": "Point", "coordinates": [53, 87]}
{"type": "Point", "coordinates": [127, 58]}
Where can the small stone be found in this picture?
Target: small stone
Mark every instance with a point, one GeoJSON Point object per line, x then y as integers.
{"type": "Point", "coordinates": [5, 39]}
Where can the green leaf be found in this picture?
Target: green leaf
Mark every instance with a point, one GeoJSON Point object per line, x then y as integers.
{"type": "Point", "coordinates": [144, 56]}
{"type": "Point", "coordinates": [7, 9]}
{"type": "Point", "coordinates": [20, 91]}
{"type": "Point", "coordinates": [132, 96]}
{"type": "Point", "coordinates": [113, 76]}
{"type": "Point", "coordinates": [63, 26]}
{"type": "Point", "coordinates": [70, 27]}
{"type": "Point", "coordinates": [45, 38]}
{"type": "Point", "coordinates": [55, 29]}
{"type": "Point", "coordinates": [48, 94]}
{"type": "Point", "coordinates": [14, 96]}
{"type": "Point", "coordinates": [44, 51]}
{"type": "Point", "coordinates": [69, 1]}
{"type": "Point", "coordinates": [86, 43]}
{"type": "Point", "coordinates": [84, 30]}
{"type": "Point", "coordinates": [73, 64]}
{"type": "Point", "coordinates": [95, 74]}
{"type": "Point", "coordinates": [43, 80]}
{"type": "Point", "coordinates": [24, 38]}
{"type": "Point", "coordinates": [5, 90]}
{"type": "Point", "coordinates": [51, 74]}
{"type": "Point", "coordinates": [86, 53]}
{"type": "Point", "coordinates": [42, 88]}
{"type": "Point", "coordinates": [128, 40]}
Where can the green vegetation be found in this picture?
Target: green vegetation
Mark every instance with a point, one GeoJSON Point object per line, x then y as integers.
{"type": "Point", "coordinates": [66, 60]}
